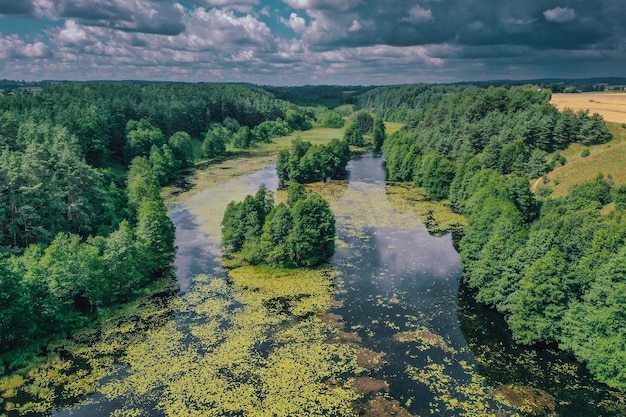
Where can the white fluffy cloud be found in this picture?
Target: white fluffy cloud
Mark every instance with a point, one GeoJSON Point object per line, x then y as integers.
{"type": "Point", "coordinates": [295, 22]}
{"type": "Point", "coordinates": [14, 47]}
{"type": "Point", "coordinates": [560, 15]}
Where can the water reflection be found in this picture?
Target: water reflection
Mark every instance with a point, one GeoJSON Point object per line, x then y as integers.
{"type": "Point", "coordinates": [397, 280]}
{"type": "Point", "coordinates": [192, 257]}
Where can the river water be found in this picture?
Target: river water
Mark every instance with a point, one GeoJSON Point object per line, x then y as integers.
{"type": "Point", "coordinates": [397, 294]}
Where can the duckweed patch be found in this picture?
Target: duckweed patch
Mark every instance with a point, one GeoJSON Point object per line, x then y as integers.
{"type": "Point", "coordinates": [437, 216]}
{"type": "Point", "coordinates": [74, 368]}
{"type": "Point", "coordinates": [425, 340]}
{"type": "Point", "coordinates": [466, 397]}
{"type": "Point", "coordinates": [531, 401]}
{"type": "Point", "coordinates": [245, 357]}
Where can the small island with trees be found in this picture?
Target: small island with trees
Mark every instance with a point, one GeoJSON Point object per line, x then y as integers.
{"type": "Point", "coordinates": [298, 233]}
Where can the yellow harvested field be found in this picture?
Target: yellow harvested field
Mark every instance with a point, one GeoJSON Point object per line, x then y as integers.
{"type": "Point", "coordinates": [612, 106]}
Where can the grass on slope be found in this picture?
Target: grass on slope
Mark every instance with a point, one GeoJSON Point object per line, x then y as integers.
{"type": "Point", "coordinates": [608, 159]}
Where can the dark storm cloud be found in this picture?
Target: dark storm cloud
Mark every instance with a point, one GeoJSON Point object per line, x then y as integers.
{"type": "Point", "coordinates": [541, 24]}
{"type": "Point", "coordinates": [313, 41]}
{"type": "Point", "coordinates": [16, 7]}
{"type": "Point", "coordinates": [145, 16]}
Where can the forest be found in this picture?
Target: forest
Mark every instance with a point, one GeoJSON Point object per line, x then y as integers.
{"type": "Point", "coordinates": [84, 228]}
{"type": "Point", "coordinates": [554, 267]}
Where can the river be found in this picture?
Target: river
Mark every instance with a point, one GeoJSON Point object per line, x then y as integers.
{"type": "Point", "coordinates": [395, 294]}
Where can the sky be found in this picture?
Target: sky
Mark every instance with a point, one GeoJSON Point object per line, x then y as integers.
{"type": "Point", "coordinates": [298, 42]}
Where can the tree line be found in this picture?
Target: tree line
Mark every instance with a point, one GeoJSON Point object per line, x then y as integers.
{"type": "Point", "coordinates": [553, 267]}
{"type": "Point", "coordinates": [298, 233]}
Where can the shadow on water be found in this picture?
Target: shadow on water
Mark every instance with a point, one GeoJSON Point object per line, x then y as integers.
{"type": "Point", "coordinates": [503, 362]}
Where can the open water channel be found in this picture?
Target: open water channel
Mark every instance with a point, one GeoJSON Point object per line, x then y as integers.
{"type": "Point", "coordinates": [426, 348]}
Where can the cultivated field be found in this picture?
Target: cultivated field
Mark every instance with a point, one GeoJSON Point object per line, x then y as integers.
{"type": "Point", "coordinates": [612, 106]}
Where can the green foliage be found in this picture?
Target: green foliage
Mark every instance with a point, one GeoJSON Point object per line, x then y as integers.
{"type": "Point", "coordinates": [363, 121]}
{"type": "Point", "coordinates": [378, 133]}
{"type": "Point", "coordinates": [330, 118]}
{"type": "Point", "coordinates": [121, 260]}
{"type": "Point", "coordinates": [354, 136]}
{"type": "Point", "coordinates": [308, 163]}
{"type": "Point", "coordinates": [243, 138]}
{"type": "Point", "coordinates": [181, 145]}
{"type": "Point", "coordinates": [269, 129]}
{"type": "Point", "coordinates": [585, 153]}
{"type": "Point", "coordinates": [155, 235]}
{"type": "Point", "coordinates": [47, 187]}
{"type": "Point", "coordinates": [299, 233]}
{"type": "Point", "coordinates": [243, 222]}
{"type": "Point", "coordinates": [107, 229]}
{"type": "Point", "coordinates": [164, 166]}
{"type": "Point", "coordinates": [435, 173]}
{"type": "Point", "coordinates": [298, 119]}
{"type": "Point", "coordinates": [541, 300]}
{"type": "Point", "coordinates": [141, 136]}
{"type": "Point", "coordinates": [215, 140]}
{"type": "Point", "coordinates": [313, 232]}
{"type": "Point", "coordinates": [16, 321]}
{"type": "Point", "coordinates": [619, 196]}
{"type": "Point", "coordinates": [141, 182]}
{"type": "Point", "coordinates": [536, 166]}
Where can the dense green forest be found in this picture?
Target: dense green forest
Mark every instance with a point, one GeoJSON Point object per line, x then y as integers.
{"type": "Point", "coordinates": [82, 223]}
{"type": "Point", "coordinates": [298, 233]}
{"type": "Point", "coordinates": [554, 267]}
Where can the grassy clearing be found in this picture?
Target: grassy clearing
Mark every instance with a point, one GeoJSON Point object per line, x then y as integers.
{"type": "Point", "coordinates": [317, 136]}
{"type": "Point", "coordinates": [392, 127]}
{"type": "Point", "coordinates": [612, 106]}
{"type": "Point", "coordinates": [608, 159]}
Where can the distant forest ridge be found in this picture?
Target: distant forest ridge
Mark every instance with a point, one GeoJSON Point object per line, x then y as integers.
{"type": "Point", "coordinates": [336, 95]}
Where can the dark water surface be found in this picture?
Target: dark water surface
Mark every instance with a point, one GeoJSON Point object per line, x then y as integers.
{"type": "Point", "coordinates": [398, 293]}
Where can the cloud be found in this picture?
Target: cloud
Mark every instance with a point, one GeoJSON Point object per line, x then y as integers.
{"type": "Point", "coordinates": [16, 7]}
{"type": "Point", "coordinates": [418, 15]}
{"type": "Point", "coordinates": [356, 25]}
{"type": "Point", "coordinates": [295, 23]}
{"type": "Point", "coordinates": [342, 5]}
{"type": "Point", "coordinates": [243, 6]}
{"type": "Point", "coordinates": [145, 16]}
{"type": "Point", "coordinates": [13, 46]}
{"type": "Point", "coordinates": [351, 41]}
{"type": "Point", "coordinates": [560, 15]}
{"type": "Point", "coordinates": [217, 28]}
{"type": "Point", "coordinates": [72, 34]}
